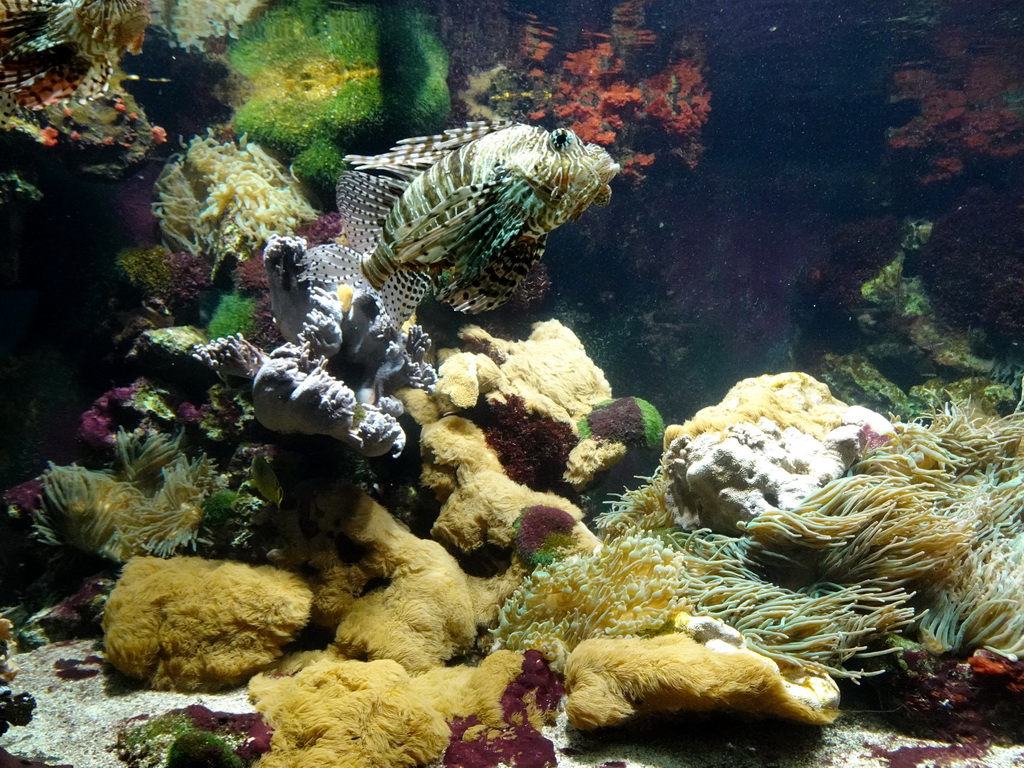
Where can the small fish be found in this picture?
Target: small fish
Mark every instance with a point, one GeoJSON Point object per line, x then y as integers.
{"type": "Point", "coordinates": [466, 213]}
{"type": "Point", "coordinates": [51, 50]}
{"type": "Point", "coordinates": [265, 480]}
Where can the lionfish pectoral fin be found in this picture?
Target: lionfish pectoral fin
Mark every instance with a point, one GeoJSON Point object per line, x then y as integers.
{"type": "Point", "coordinates": [364, 202]}
{"type": "Point", "coordinates": [440, 227]}
{"type": "Point", "coordinates": [493, 285]}
{"type": "Point", "coordinates": [96, 81]}
{"type": "Point", "coordinates": [603, 196]}
{"type": "Point", "coordinates": [402, 293]}
{"type": "Point", "coordinates": [334, 264]}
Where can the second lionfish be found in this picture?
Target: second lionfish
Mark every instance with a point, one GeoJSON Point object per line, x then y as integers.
{"type": "Point", "coordinates": [465, 213]}
{"type": "Point", "coordinates": [51, 50]}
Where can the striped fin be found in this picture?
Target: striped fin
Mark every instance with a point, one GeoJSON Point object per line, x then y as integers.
{"type": "Point", "coordinates": [96, 81]}
{"type": "Point", "coordinates": [497, 281]}
{"type": "Point", "coordinates": [402, 293]}
{"type": "Point", "coordinates": [410, 157]}
{"type": "Point", "coordinates": [478, 232]}
{"type": "Point", "coordinates": [334, 264]}
{"type": "Point", "coordinates": [364, 201]}
{"type": "Point", "coordinates": [339, 264]}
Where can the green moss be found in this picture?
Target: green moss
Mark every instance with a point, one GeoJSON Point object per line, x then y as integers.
{"type": "Point", "coordinates": [321, 163]}
{"type": "Point", "coordinates": [234, 314]}
{"type": "Point", "coordinates": [328, 80]}
{"type": "Point", "coordinates": [654, 425]}
{"type": "Point", "coordinates": [199, 749]}
{"type": "Point", "coordinates": [316, 82]}
{"type": "Point", "coordinates": [146, 268]}
{"type": "Point", "coordinates": [217, 508]}
{"type": "Point", "coordinates": [583, 427]}
{"type": "Point", "coordinates": [414, 71]}
{"type": "Point", "coordinates": [145, 742]}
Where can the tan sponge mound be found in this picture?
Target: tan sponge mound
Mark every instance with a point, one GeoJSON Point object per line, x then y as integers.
{"type": "Point", "coordinates": [191, 624]}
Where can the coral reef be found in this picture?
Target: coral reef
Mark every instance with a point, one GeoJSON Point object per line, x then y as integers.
{"type": "Point", "coordinates": [704, 665]}
{"type": "Point", "coordinates": [150, 503]}
{"type": "Point", "coordinates": [166, 621]}
{"type": "Point", "coordinates": [762, 449]}
{"type": "Point", "coordinates": [106, 138]}
{"type": "Point", "coordinates": [480, 502]}
{"type": "Point", "coordinates": [227, 199]}
{"type": "Point", "coordinates": [600, 89]}
{"type": "Point", "coordinates": [191, 23]}
{"type": "Point", "coordinates": [969, 105]}
{"type": "Point", "coordinates": [630, 586]}
{"type": "Point", "coordinates": [193, 735]}
{"type": "Point", "coordinates": [405, 600]}
{"type": "Point", "coordinates": [330, 333]}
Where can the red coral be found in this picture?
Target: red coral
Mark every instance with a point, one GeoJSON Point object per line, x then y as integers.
{"type": "Point", "coordinates": [594, 89]}
{"type": "Point", "coordinates": [968, 107]}
{"type": "Point", "coordinates": [532, 448]}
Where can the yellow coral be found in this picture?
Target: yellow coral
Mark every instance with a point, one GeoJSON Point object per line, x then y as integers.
{"type": "Point", "coordinates": [549, 370]}
{"type": "Point", "coordinates": [611, 681]}
{"type": "Point", "coordinates": [348, 714]}
{"type": "Point", "coordinates": [480, 502]}
{"type": "Point", "coordinates": [424, 613]}
{"type": "Point", "coordinates": [789, 399]}
{"type": "Point", "coordinates": [193, 624]}
{"type": "Point", "coordinates": [589, 457]}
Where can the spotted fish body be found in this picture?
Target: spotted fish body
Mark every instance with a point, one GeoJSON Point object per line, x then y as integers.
{"type": "Point", "coordinates": [466, 213]}
{"type": "Point", "coordinates": [51, 50]}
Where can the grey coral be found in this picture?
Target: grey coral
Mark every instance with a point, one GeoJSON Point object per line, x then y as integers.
{"type": "Point", "coordinates": [341, 366]}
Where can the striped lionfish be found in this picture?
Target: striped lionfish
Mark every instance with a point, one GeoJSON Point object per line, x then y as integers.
{"type": "Point", "coordinates": [51, 50]}
{"type": "Point", "coordinates": [466, 213]}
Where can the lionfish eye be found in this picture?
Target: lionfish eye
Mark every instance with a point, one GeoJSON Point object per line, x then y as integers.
{"type": "Point", "coordinates": [561, 138]}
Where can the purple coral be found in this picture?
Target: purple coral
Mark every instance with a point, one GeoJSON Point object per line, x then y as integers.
{"type": "Point", "coordinates": [98, 426]}
{"type": "Point", "coordinates": [190, 276]}
{"type": "Point", "coordinates": [540, 531]}
{"type": "Point", "coordinates": [323, 229]}
{"type": "Point", "coordinates": [538, 688]}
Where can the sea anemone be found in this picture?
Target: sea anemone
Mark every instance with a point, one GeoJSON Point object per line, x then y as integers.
{"type": "Point", "coordinates": [150, 503]}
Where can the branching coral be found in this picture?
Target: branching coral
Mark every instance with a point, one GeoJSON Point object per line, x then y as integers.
{"type": "Point", "coordinates": [600, 90]}
{"type": "Point", "coordinates": [298, 387]}
{"type": "Point", "coordinates": [150, 503]}
{"type": "Point", "coordinates": [220, 199]}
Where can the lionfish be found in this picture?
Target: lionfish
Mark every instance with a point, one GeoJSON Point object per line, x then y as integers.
{"type": "Point", "coordinates": [51, 50]}
{"type": "Point", "coordinates": [465, 213]}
